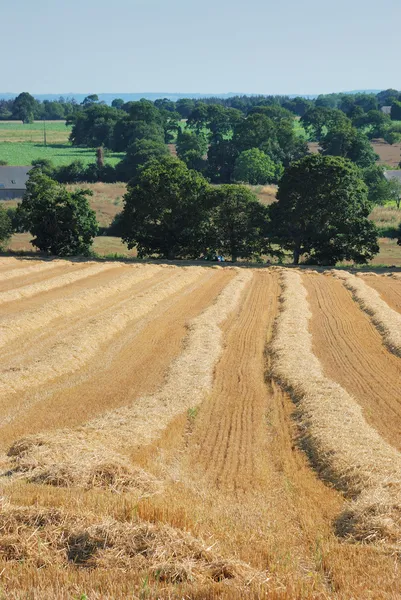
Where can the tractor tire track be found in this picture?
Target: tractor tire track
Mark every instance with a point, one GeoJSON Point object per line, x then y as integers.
{"type": "Point", "coordinates": [231, 432]}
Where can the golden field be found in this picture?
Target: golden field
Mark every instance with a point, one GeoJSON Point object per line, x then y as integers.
{"type": "Point", "coordinates": [198, 432]}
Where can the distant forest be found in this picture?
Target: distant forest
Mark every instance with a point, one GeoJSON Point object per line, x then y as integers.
{"type": "Point", "coordinates": [25, 107]}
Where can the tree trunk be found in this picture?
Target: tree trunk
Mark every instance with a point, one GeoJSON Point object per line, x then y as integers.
{"type": "Point", "coordinates": [296, 255]}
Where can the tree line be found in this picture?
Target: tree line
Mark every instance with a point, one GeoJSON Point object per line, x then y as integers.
{"type": "Point", "coordinates": [25, 107]}
{"type": "Point", "coordinates": [173, 212]}
{"type": "Point", "coordinates": [224, 144]}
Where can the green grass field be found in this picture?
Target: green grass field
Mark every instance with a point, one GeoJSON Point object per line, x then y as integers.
{"type": "Point", "coordinates": [21, 144]}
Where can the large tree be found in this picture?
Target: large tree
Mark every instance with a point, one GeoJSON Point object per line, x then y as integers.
{"type": "Point", "coordinates": [322, 212]}
{"type": "Point", "coordinates": [350, 143]}
{"type": "Point", "coordinates": [320, 118]}
{"type": "Point", "coordinates": [24, 107]}
{"type": "Point", "coordinates": [238, 223]}
{"type": "Point", "coordinates": [62, 222]}
{"type": "Point", "coordinates": [257, 168]}
{"type": "Point", "coordinates": [164, 210]}
{"type": "Point", "coordinates": [191, 148]}
{"type": "Point", "coordinates": [138, 154]}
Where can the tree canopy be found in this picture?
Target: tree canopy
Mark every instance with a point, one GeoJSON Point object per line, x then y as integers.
{"type": "Point", "coordinates": [238, 222]}
{"type": "Point", "coordinates": [322, 212]}
{"type": "Point", "coordinates": [164, 210]}
{"type": "Point", "coordinates": [62, 222]}
{"type": "Point", "coordinates": [257, 168]}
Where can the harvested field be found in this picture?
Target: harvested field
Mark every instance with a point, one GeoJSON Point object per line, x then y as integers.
{"type": "Point", "coordinates": [196, 432]}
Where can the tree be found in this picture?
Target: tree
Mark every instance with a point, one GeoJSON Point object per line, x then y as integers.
{"type": "Point", "coordinates": [165, 104]}
{"type": "Point", "coordinates": [24, 107]}
{"type": "Point", "coordinates": [394, 191]}
{"type": "Point", "coordinates": [255, 167]}
{"type": "Point", "coordinates": [396, 111]}
{"type": "Point", "coordinates": [91, 99]}
{"type": "Point", "coordinates": [238, 223]}
{"type": "Point", "coordinates": [5, 228]}
{"type": "Point", "coordinates": [184, 106]}
{"type": "Point", "coordinates": [298, 105]}
{"type": "Point", "coordinates": [191, 149]}
{"type": "Point", "coordinates": [138, 154]}
{"type": "Point", "coordinates": [94, 126]}
{"type": "Point", "coordinates": [164, 210]}
{"type": "Point", "coordinates": [322, 212]}
{"type": "Point", "coordinates": [118, 103]}
{"type": "Point", "coordinates": [378, 190]}
{"type": "Point", "coordinates": [319, 118]}
{"type": "Point", "coordinates": [387, 97]}
{"type": "Point", "coordinates": [221, 159]}
{"type": "Point", "coordinates": [62, 222]}
{"type": "Point", "coordinates": [374, 123]}
{"type": "Point", "coordinates": [45, 165]}
{"type": "Point", "coordinates": [253, 132]}
{"type": "Point", "coordinates": [350, 143]}
{"type": "Point", "coordinates": [144, 110]}
{"type": "Point", "coordinates": [127, 131]}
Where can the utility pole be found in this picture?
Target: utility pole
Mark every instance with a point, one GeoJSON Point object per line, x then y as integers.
{"type": "Point", "coordinates": [44, 132]}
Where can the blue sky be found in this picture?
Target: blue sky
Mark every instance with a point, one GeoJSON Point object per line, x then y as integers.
{"type": "Point", "coordinates": [250, 46]}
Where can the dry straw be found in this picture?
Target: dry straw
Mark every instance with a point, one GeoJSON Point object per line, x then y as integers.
{"type": "Point", "coordinates": [386, 320]}
{"type": "Point", "coordinates": [28, 291]}
{"type": "Point", "coordinates": [12, 327]}
{"type": "Point", "coordinates": [344, 448]}
{"type": "Point", "coordinates": [31, 270]}
{"type": "Point", "coordinates": [42, 537]}
{"type": "Point", "coordinates": [77, 348]}
{"type": "Point", "coordinates": [70, 457]}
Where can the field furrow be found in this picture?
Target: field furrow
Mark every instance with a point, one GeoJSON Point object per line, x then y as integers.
{"type": "Point", "coordinates": [352, 353]}
{"type": "Point", "coordinates": [231, 428]}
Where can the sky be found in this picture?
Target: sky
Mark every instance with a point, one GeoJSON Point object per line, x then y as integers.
{"type": "Point", "coordinates": [202, 46]}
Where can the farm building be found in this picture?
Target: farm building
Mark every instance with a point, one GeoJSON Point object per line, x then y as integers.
{"type": "Point", "coordinates": [396, 174]}
{"type": "Point", "coordinates": [12, 182]}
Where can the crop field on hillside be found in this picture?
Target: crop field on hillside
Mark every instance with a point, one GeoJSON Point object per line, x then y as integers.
{"type": "Point", "coordinates": [198, 432]}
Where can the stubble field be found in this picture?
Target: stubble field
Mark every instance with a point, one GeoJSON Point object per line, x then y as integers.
{"type": "Point", "coordinates": [198, 432]}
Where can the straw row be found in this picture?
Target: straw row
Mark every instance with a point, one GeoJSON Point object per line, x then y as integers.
{"type": "Point", "coordinates": [387, 320]}
{"type": "Point", "coordinates": [70, 457]}
{"type": "Point", "coordinates": [343, 447]}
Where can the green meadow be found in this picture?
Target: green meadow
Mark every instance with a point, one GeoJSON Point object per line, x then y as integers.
{"type": "Point", "coordinates": [21, 144]}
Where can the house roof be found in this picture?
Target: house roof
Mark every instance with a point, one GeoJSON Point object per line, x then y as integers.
{"type": "Point", "coordinates": [13, 178]}
{"type": "Point", "coordinates": [393, 175]}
